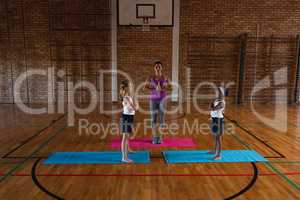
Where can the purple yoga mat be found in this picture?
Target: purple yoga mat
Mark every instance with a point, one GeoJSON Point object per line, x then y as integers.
{"type": "Point", "coordinates": [147, 142]}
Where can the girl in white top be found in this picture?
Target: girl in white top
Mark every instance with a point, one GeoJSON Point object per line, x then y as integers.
{"type": "Point", "coordinates": [129, 108]}
{"type": "Point", "coordinates": [217, 108]}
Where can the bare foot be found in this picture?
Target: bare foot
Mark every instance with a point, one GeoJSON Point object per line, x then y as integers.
{"type": "Point", "coordinates": [211, 152]}
{"type": "Point", "coordinates": [131, 151]}
{"type": "Point", "coordinates": [126, 160]}
{"type": "Point", "coordinates": [217, 158]}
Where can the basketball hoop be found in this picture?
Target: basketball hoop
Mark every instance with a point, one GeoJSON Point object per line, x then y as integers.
{"type": "Point", "coordinates": [145, 13]}
{"type": "Point", "coordinates": [146, 26]}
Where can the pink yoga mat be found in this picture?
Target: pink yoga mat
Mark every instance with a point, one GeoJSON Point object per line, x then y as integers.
{"type": "Point", "coordinates": [147, 142]}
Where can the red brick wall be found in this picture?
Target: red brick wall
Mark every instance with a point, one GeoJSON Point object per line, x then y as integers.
{"type": "Point", "coordinates": [74, 35]}
{"type": "Point", "coordinates": [138, 50]}
{"type": "Point", "coordinates": [231, 19]}
{"type": "Point", "coordinates": [69, 35]}
{"type": "Point", "coordinates": [272, 55]}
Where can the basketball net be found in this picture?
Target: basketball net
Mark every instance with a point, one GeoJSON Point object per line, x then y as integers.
{"type": "Point", "coordinates": [145, 26]}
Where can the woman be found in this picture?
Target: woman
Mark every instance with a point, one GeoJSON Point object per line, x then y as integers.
{"type": "Point", "coordinates": [158, 85]}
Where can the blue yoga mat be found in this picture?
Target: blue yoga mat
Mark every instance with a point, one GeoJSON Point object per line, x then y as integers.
{"type": "Point", "coordinates": [228, 156]}
{"type": "Point", "coordinates": [106, 157]}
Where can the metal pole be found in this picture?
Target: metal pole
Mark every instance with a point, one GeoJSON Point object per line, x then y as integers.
{"type": "Point", "coordinates": [296, 91]}
{"type": "Point", "coordinates": [25, 51]}
{"type": "Point", "coordinates": [9, 52]}
{"type": "Point", "coordinates": [243, 43]}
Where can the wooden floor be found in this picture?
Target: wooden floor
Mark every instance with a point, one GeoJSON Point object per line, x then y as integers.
{"type": "Point", "coordinates": [25, 140]}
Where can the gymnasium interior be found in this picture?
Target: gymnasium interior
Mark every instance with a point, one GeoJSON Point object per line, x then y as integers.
{"type": "Point", "coordinates": [65, 63]}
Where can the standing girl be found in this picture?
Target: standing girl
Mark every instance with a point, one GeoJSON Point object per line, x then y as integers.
{"type": "Point", "coordinates": [217, 108]}
{"type": "Point", "coordinates": [129, 108]}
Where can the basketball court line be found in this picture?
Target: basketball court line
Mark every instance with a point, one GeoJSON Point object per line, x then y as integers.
{"type": "Point", "coordinates": [149, 175]}
{"type": "Point", "coordinates": [34, 178]}
{"type": "Point", "coordinates": [252, 182]}
{"type": "Point", "coordinates": [286, 162]}
{"type": "Point", "coordinates": [37, 157]}
{"type": "Point", "coordinates": [24, 157]}
{"type": "Point", "coordinates": [46, 142]}
{"type": "Point", "coordinates": [32, 137]}
{"type": "Point", "coordinates": [277, 172]}
{"type": "Point", "coordinates": [269, 165]}
{"type": "Point", "coordinates": [45, 190]}
{"type": "Point", "coordinates": [258, 139]}
{"type": "Point", "coordinates": [38, 184]}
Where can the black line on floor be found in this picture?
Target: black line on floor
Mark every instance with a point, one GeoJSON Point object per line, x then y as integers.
{"type": "Point", "coordinates": [39, 185]}
{"type": "Point", "coordinates": [19, 159]}
{"type": "Point", "coordinates": [249, 186]}
{"type": "Point", "coordinates": [257, 138]}
{"type": "Point", "coordinates": [25, 157]}
{"type": "Point", "coordinates": [46, 142]}
{"type": "Point", "coordinates": [32, 137]}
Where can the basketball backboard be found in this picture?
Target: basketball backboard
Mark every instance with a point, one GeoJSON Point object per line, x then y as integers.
{"type": "Point", "coordinates": [141, 12]}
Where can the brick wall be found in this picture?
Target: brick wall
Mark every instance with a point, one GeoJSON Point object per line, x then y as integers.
{"type": "Point", "coordinates": [74, 36]}
{"type": "Point", "coordinates": [231, 19]}
{"type": "Point", "coordinates": [70, 35]}
{"type": "Point", "coordinates": [138, 50]}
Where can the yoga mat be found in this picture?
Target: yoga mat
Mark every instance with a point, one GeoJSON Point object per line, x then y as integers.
{"type": "Point", "coordinates": [147, 143]}
{"type": "Point", "coordinates": [106, 157]}
{"type": "Point", "coordinates": [228, 156]}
